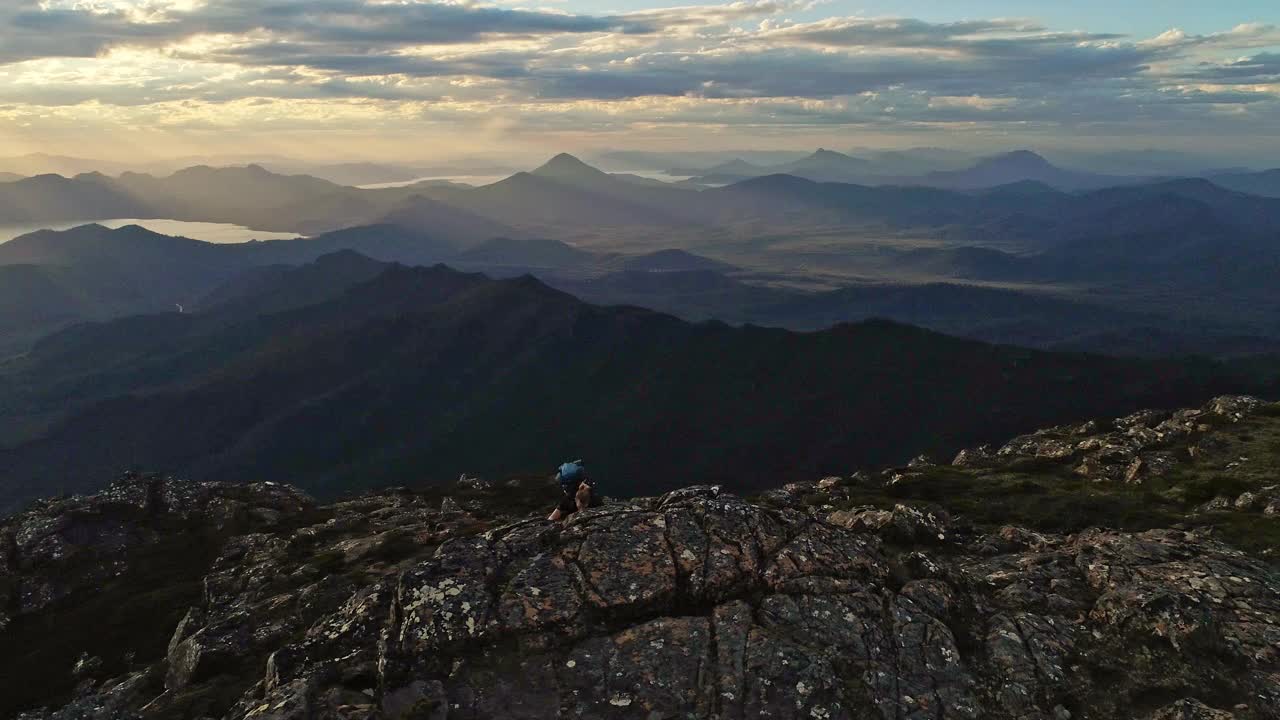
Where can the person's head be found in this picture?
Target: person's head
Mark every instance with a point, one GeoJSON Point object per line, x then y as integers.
{"type": "Point", "coordinates": [571, 475]}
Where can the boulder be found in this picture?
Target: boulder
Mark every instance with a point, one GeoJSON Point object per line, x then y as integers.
{"type": "Point", "coordinates": [1092, 468]}
{"type": "Point", "coordinates": [1042, 445]}
{"type": "Point", "coordinates": [974, 457]}
{"type": "Point", "coordinates": [1190, 710]}
{"type": "Point", "coordinates": [1148, 465]}
{"type": "Point", "coordinates": [1259, 500]}
{"type": "Point", "coordinates": [86, 665]}
{"type": "Point", "coordinates": [1233, 407]}
{"type": "Point", "coordinates": [1146, 419]}
{"type": "Point", "coordinates": [1221, 503]}
{"type": "Point", "coordinates": [799, 489]}
{"type": "Point", "coordinates": [920, 461]}
{"type": "Point", "coordinates": [903, 524]}
{"type": "Point", "coordinates": [473, 483]}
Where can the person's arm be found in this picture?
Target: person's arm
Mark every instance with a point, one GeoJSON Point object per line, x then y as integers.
{"type": "Point", "coordinates": [583, 496]}
{"type": "Point", "coordinates": [555, 515]}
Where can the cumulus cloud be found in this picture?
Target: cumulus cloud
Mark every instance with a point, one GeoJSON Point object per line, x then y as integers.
{"type": "Point", "coordinates": [895, 32]}
{"type": "Point", "coordinates": [34, 29]}
{"type": "Point", "coordinates": [740, 62]}
{"type": "Point", "coordinates": [1256, 69]}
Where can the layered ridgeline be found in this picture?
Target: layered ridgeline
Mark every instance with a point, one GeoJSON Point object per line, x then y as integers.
{"type": "Point", "coordinates": [53, 279]}
{"type": "Point", "coordinates": [1139, 250]}
{"type": "Point", "coordinates": [1015, 196]}
{"type": "Point", "coordinates": [347, 374]}
{"type": "Point", "coordinates": [1113, 570]}
{"type": "Point", "coordinates": [50, 280]}
{"type": "Point", "coordinates": [257, 197]}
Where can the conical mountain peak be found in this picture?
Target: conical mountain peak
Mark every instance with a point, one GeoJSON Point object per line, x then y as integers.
{"type": "Point", "coordinates": [564, 166]}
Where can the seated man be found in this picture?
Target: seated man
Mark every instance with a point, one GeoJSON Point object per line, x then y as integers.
{"type": "Point", "coordinates": [577, 490]}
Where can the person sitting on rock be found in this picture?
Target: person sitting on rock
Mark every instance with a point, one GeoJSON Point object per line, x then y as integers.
{"type": "Point", "coordinates": [577, 490]}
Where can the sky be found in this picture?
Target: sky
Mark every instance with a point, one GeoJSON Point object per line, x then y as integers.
{"type": "Point", "coordinates": [410, 80]}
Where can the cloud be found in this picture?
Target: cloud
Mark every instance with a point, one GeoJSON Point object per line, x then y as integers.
{"type": "Point", "coordinates": [1242, 36]}
{"type": "Point", "coordinates": [894, 32]}
{"type": "Point", "coordinates": [740, 64]}
{"type": "Point", "coordinates": [33, 30]}
{"type": "Point", "coordinates": [1256, 69]}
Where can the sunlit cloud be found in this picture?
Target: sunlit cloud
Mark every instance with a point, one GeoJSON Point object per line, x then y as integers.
{"type": "Point", "coordinates": [352, 65]}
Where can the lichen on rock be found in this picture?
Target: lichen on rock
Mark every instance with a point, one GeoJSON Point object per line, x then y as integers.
{"type": "Point", "coordinates": [698, 603]}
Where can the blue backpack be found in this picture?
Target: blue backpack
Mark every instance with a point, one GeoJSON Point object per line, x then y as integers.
{"type": "Point", "coordinates": [570, 475]}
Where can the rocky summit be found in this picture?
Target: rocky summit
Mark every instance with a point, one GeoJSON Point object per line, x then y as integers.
{"type": "Point", "coordinates": [874, 596]}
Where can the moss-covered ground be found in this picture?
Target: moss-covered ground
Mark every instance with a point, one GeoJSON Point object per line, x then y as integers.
{"type": "Point", "coordinates": [1049, 496]}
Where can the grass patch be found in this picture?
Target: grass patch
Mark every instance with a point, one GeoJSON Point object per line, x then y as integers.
{"type": "Point", "coordinates": [1249, 531]}
{"type": "Point", "coordinates": [1271, 410]}
{"type": "Point", "coordinates": [1198, 489]}
{"type": "Point", "coordinates": [1045, 495]}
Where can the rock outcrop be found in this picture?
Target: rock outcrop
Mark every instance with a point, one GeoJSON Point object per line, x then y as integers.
{"type": "Point", "coordinates": [695, 604]}
{"type": "Point", "coordinates": [1129, 449]}
{"type": "Point", "coordinates": [700, 604]}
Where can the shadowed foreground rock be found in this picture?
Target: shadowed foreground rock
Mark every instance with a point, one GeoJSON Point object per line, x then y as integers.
{"type": "Point", "coordinates": [697, 604]}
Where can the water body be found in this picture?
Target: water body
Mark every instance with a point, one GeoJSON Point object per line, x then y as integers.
{"type": "Point", "coordinates": [475, 180]}
{"type": "Point", "coordinates": [478, 180]}
{"type": "Point", "coordinates": [206, 231]}
{"type": "Point", "coordinates": [660, 176]}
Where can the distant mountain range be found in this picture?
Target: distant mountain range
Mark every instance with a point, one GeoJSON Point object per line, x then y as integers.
{"type": "Point", "coordinates": [455, 225]}
{"type": "Point", "coordinates": [562, 193]}
{"type": "Point", "coordinates": [1020, 167]}
{"type": "Point", "coordinates": [943, 169]}
{"type": "Point", "coordinates": [426, 330]}
{"type": "Point", "coordinates": [566, 195]}
{"type": "Point", "coordinates": [1143, 236]}
{"type": "Point", "coordinates": [915, 166]}
{"type": "Point", "coordinates": [825, 166]}
{"type": "Point", "coordinates": [750, 163]}
{"type": "Point", "coordinates": [506, 253]}
{"type": "Point", "coordinates": [1144, 240]}
{"type": "Point", "coordinates": [690, 162]}
{"type": "Point", "coordinates": [671, 261]}
{"type": "Point", "coordinates": [990, 314]}
{"type": "Point", "coordinates": [251, 196]}
{"type": "Point", "coordinates": [914, 161]}
{"type": "Point", "coordinates": [908, 169]}
{"type": "Point", "coordinates": [340, 381]}
{"type": "Point", "coordinates": [1265, 183]}
{"type": "Point", "coordinates": [1026, 211]}
{"type": "Point", "coordinates": [53, 279]}
{"type": "Point", "coordinates": [341, 173]}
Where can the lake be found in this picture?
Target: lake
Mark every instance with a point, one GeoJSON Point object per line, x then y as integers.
{"type": "Point", "coordinates": [206, 231]}
{"type": "Point", "coordinates": [478, 180]}
{"type": "Point", "coordinates": [475, 180]}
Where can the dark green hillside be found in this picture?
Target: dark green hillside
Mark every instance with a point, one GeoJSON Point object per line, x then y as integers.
{"type": "Point", "coordinates": [423, 373]}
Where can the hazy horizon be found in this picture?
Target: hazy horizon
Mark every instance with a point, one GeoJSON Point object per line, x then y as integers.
{"type": "Point", "coordinates": [498, 166]}
{"type": "Point", "coordinates": [358, 80]}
